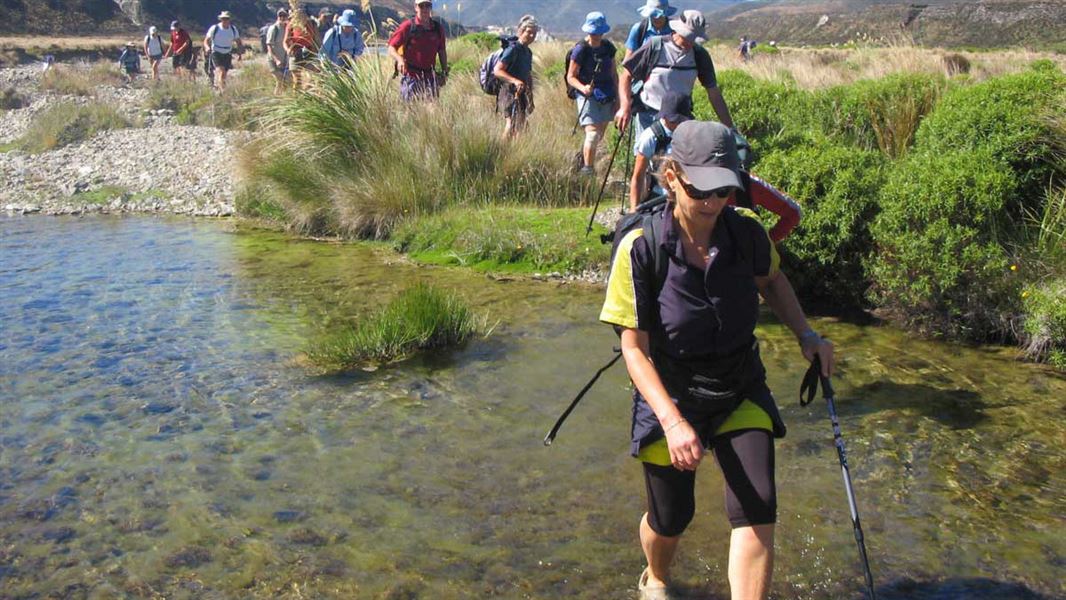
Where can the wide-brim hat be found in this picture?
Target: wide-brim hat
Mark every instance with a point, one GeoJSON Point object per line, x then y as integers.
{"type": "Point", "coordinates": [595, 24]}
{"type": "Point", "coordinates": [224, 15]}
{"type": "Point", "coordinates": [130, 44]}
{"type": "Point", "coordinates": [345, 22]}
{"type": "Point", "coordinates": [691, 26]}
{"type": "Point", "coordinates": [707, 153]}
{"type": "Point", "coordinates": [654, 9]}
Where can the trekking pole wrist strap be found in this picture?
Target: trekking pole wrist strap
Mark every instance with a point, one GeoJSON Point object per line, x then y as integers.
{"type": "Point", "coordinates": [808, 337]}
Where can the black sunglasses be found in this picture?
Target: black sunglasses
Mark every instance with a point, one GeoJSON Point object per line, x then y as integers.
{"type": "Point", "coordinates": [698, 194]}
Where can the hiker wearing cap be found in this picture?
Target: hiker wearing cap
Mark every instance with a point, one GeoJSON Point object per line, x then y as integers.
{"type": "Point", "coordinates": [656, 22]}
{"type": "Point", "coordinates": [592, 76]}
{"type": "Point", "coordinates": [515, 70]}
{"type": "Point", "coordinates": [654, 143]}
{"type": "Point", "coordinates": [686, 296]}
{"type": "Point", "coordinates": [180, 50]}
{"type": "Point", "coordinates": [324, 22]}
{"type": "Point", "coordinates": [154, 50]}
{"type": "Point", "coordinates": [130, 61]}
{"type": "Point", "coordinates": [343, 44]}
{"type": "Point", "coordinates": [301, 45]}
{"type": "Point", "coordinates": [668, 64]}
{"type": "Point", "coordinates": [277, 56]}
{"type": "Point", "coordinates": [222, 41]}
{"type": "Point", "coordinates": [415, 46]}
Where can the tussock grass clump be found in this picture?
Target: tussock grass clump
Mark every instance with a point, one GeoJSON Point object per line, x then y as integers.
{"type": "Point", "coordinates": [420, 318]}
{"type": "Point", "coordinates": [69, 123]}
{"type": "Point", "coordinates": [194, 103]}
{"type": "Point", "coordinates": [506, 239]}
{"type": "Point", "coordinates": [73, 81]}
{"type": "Point", "coordinates": [11, 99]}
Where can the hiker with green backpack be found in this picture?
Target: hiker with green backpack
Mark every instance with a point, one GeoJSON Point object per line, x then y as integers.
{"type": "Point", "coordinates": [656, 22]}
{"type": "Point", "coordinates": [515, 71]}
{"type": "Point", "coordinates": [592, 81]}
{"type": "Point", "coordinates": [684, 292]}
{"type": "Point", "coordinates": [668, 64]}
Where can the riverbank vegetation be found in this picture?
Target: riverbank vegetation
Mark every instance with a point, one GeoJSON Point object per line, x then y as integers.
{"type": "Point", "coordinates": [420, 318]}
{"type": "Point", "coordinates": [927, 178]}
{"type": "Point", "coordinates": [69, 123]}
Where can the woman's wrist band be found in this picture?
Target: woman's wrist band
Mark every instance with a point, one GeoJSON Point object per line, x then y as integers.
{"type": "Point", "coordinates": [675, 424]}
{"type": "Point", "coordinates": [808, 335]}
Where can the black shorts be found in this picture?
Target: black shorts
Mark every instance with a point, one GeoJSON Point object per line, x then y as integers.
{"type": "Point", "coordinates": [183, 60]}
{"type": "Point", "coordinates": [222, 61]}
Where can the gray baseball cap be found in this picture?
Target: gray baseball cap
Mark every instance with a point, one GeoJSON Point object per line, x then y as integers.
{"type": "Point", "coordinates": [691, 26]}
{"type": "Point", "coordinates": [707, 153]}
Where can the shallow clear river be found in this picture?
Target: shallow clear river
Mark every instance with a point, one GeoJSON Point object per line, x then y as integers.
{"type": "Point", "coordinates": [160, 438]}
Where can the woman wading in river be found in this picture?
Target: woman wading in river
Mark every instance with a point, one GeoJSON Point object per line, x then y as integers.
{"type": "Point", "coordinates": [688, 310]}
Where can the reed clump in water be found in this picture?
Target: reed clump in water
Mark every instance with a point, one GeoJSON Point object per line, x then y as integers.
{"type": "Point", "coordinates": [420, 318]}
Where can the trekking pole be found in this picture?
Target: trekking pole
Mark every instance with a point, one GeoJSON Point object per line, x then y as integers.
{"type": "Point", "coordinates": [603, 186]}
{"type": "Point", "coordinates": [548, 439]}
{"type": "Point", "coordinates": [809, 388]}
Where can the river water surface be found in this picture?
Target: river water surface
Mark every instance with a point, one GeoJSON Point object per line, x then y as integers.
{"type": "Point", "coordinates": [160, 438]}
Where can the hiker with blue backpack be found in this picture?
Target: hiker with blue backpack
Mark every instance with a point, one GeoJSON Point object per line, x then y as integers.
{"type": "Point", "coordinates": [684, 292]}
{"type": "Point", "coordinates": [343, 43]}
{"type": "Point", "coordinates": [668, 64]}
{"type": "Point", "coordinates": [515, 71]}
{"type": "Point", "coordinates": [130, 61]}
{"type": "Point", "coordinates": [655, 22]}
{"type": "Point", "coordinates": [416, 45]}
{"type": "Point", "coordinates": [592, 81]}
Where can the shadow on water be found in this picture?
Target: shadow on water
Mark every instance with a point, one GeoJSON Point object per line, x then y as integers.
{"type": "Point", "coordinates": [957, 588]}
{"type": "Point", "coordinates": [957, 409]}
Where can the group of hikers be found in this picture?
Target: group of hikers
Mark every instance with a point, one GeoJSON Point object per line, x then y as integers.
{"type": "Point", "coordinates": [686, 275]}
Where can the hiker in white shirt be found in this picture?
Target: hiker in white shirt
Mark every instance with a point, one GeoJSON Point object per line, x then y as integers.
{"type": "Point", "coordinates": [154, 50]}
{"type": "Point", "coordinates": [222, 41]}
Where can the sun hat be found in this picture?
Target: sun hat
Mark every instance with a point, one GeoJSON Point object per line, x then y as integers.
{"type": "Point", "coordinates": [153, 30]}
{"type": "Point", "coordinates": [325, 11]}
{"type": "Point", "coordinates": [675, 107]}
{"type": "Point", "coordinates": [224, 15]}
{"type": "Point", "coordinates": [707, 153]}
{"type": "Point", "coordinates": [131, 44]}
{"type": "Point", "coordinates": [655, 9]}
{"type": "Point", "coordinates": [691, 26]}
{"type": "Point", "coordinates": [282, 12]}
{"type": "Point", "coordinates": [595, 24]}
{"type": "Point", "coordinates": [174, 25]}
{"type": "Point", "coordinates": [345, 22]}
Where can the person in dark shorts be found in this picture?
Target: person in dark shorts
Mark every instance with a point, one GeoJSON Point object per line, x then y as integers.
{"type": "Point", "coordinates": [223, 40]}
{"type": "Point", "coordinates": [515, 71]}
{"type": "Point", "coordinates": [180, 50]}
{"type": "Point", "coordinates": [687, 306]}
{"type": "Point", "coordinates": [416, 46]}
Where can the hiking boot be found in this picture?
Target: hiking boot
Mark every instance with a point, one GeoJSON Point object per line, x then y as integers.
{"type": "Point", "coordinates": [652, 592]}
{"type": "Point", "coordinates": [586, 171]}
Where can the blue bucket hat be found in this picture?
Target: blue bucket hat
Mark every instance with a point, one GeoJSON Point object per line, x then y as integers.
{"type": "Point", "coordinates": [656, 9]}
{"type": "Point", "coordinates": [345, 22]}
{"type": "Point", "coordinates": [595, 24]}
{"type": "Point", "coordinates": [352, 16]}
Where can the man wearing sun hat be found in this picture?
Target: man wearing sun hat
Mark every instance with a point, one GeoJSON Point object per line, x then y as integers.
{"type": "Point", "coordinates": [342, 43]}
{"type": "Point", "coordinates": [669, 64]}
{"type": "Point", "coordinates": [656, 22]}
{"type": "Point", "coordinates": [415, 46]}
{"type": "Point", "coordinates": [222, 41]}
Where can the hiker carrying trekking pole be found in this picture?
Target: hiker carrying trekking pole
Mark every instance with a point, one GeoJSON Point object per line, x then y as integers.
{"type": "Point", "coordinates": [515, 70]}
{"type": "Point", "coordinates": [592, 81]}
{"type": "Point", "coordinates": [684, 290]}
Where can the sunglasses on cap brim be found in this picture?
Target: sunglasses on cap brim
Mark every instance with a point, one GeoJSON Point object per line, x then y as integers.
{"type": "Point", "coordinates": [698, 194]}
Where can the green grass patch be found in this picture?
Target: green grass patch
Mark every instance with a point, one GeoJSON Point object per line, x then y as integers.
{"type": "Point", "coordinates": [69, 123]}
{"type": "Point", "coordinates": [8, 147]}
{"type": "Point", "coordinates": [102, 194]}
{"type": "Point", "coordinates": [80, 82]}
{"type": "Point", "coordinates": [508, 239]}
{"type": "Point", "coordinates": [420, 318]}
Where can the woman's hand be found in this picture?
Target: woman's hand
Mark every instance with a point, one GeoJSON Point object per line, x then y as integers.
{"type": "Point", "coordinates": [686, 451]}
{"type": "Point", "coordinates": [815, 345]}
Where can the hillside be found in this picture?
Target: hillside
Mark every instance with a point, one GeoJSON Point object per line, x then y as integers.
{"type": "Point", "coordinates": [977, 23]}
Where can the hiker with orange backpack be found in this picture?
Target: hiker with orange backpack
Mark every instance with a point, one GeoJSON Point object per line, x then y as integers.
{"type": "Point", "coordinates": [416, 45]}
{"type": "Point", "coordinates": [592, 81]}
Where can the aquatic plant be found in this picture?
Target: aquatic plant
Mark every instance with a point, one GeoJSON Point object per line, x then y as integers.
{"type": "Point", "coordinates": [420, 318]}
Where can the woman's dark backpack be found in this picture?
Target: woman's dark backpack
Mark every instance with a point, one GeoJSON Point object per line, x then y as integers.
{"type": "Point", "coordinates": [572, 92]}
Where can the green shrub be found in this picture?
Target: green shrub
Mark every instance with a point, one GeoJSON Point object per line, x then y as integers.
{"type": "Point", "coordinates": [483, 40]}
{"type": "Point", "coordinates": [196, 104]}
{"type": "Point", "coordinates": [68, 123]}
{"type": "Point", "coordinates": [464, 66]}
{"type": "Point", "coordinates": [883, 113]}
{"type": "Point", "coordinates": [1004, 116]}
{"type": "Point", "coordinates": [771, 115]}
{"type": "Point", "coordinates": [420, 318]}
{"type": "Point", "coordinates": [943, 238]}
{"type": "Point", "coordinates": [837, 187]}
{"type": "Point", "coordinates": [1044, 305]}
{"type": "Point", "coordinates": [505, 239]}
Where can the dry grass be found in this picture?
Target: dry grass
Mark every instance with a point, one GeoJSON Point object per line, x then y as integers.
{"type": "Point", "coordinates": [826, 67]}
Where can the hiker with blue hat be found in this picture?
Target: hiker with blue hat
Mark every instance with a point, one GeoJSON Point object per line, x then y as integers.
{"type": "Point", "coordinates": [343, 43]}
{"type": "Point", "coordinates": [656, 22]}
{"type": "Point", "coordinates": [668, 64]}
{"type": "Point", "coordinates": [592, 81]}
{"type": "Point", "coordinates": [684, 288]}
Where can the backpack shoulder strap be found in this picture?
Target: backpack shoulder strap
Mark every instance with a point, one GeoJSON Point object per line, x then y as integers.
{"type": "Point", "coordinates": [661, 139]}
{"type": "Point", "coordinates": [650, 231]}
{"type": "Point", "coordinates": [645, 24]}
